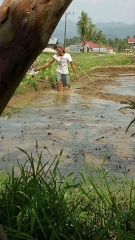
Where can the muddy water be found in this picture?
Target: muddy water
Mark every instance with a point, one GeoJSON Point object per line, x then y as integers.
{"type": "Point", "coordinates": [87, 128]}
{"type": "Point", "coordinates": [127, 86]}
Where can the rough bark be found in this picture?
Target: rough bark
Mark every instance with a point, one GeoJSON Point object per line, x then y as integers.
{"type": "Point", "coordinates": [25, 29]}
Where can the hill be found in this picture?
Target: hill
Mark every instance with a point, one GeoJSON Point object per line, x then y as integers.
{"type": "Point", "coordinates": [110, 30]}
{"type": "Point", "coordinates": [111, 24]}
{"type": "Point", "coordinates": [116, 29]}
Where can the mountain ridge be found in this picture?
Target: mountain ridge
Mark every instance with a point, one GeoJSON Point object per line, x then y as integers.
{"type": "Point", "coordinates": [110, 29]}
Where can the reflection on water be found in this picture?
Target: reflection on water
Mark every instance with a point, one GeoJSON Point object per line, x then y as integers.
{"type": "Point", "coordinates": [62, 98]}
{"type": "Point", "coordinates": [127, 86]}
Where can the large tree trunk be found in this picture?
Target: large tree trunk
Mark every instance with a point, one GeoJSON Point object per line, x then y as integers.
{"type": "Point", "coordinates": [25, 29]}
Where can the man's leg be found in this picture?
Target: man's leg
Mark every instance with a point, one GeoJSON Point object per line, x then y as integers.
{"type": "Point", "coordinates": [67, 80]}
{"type": "Point", "coordinates": [59, 81]}
{"type": "Point", "coordinates": [64, 80]}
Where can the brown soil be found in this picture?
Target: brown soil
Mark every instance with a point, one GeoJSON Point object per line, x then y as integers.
{"type": "Point", "coordinates": [103, 77]}
{"type": "Point", "coordinates": [24, 99]}
{"type": "Point", "coordinates": [100, 76]}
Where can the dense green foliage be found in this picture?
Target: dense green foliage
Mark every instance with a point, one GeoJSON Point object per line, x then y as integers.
{"type": "Point", "coordinates": [73, 41]}
{"type": "Point", "coordinates": [44, 204]}
{"type": "Point", "coordinates": [89, 32]}
{"type": "Point", "coordinates": [119, 45]}
{"type": "Point", "coordinates": [86, 61]}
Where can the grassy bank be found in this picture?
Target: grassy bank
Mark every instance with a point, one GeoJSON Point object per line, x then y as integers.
{"type": "Point", "coordinates": [86, 61]}
{"type": "Point", "coordinates": [40, 204]}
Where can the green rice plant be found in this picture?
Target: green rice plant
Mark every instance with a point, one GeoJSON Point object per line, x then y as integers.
{"type": "Point", "coordinates": [31, 81]}
{"type": "Point", "coordinates": [130, 106]}
{"type": "Point", "coordinates": [3, 179]}
{"type": "Point", "coordinates": [35, 203]}
{"type": "Point", "coordinates": [27, 81]}
{"type": "Point", "coordinates": [125, 62]}
{"type": "Point", "coordinates": [21, 88]}
{"type": "Point", "coordinates": [87, 61]}
{"type": "Point", "coordinates": [42, 203]}
{"type": "Point", "coordinates": [50, 71]}
{"type": "Point", "coordinates": [109, 204]}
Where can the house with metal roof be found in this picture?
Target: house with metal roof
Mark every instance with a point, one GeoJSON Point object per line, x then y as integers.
{"type": "Point", "coordinates": [94, 47]}
{"type": "Point", "coordinates": [75, 48]}
{"type": "Point", "coordinates": [109, 49]}
{"type": "Point", "coordinates": [51, 45]}
{"type": "Point", "coordinates": [89, 46]}
{"type": "Point", "coordinates": [131, 41]}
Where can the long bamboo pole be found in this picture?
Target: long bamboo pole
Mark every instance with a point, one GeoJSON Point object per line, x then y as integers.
{"type": "Point", "coordinates": [87, 75]}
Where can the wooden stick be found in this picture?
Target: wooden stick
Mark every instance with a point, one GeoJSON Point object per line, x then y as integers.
{"type": "Point", "coordinates": [87, 75]}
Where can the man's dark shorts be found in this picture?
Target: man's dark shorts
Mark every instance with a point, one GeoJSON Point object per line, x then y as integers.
{"type": "Point", "coordinates": [64, 78]}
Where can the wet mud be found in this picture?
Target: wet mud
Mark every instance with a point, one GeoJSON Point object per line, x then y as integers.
{"type": "Point", "coordinates": [86, 121]}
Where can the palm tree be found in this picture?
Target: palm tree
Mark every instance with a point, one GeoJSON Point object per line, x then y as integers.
{"type": "Point", "coordinates": [85, 27]}
{"type": "Point", "coordinates": [100, 39]}
{"type": "Point", "coordinates": [116, 41]}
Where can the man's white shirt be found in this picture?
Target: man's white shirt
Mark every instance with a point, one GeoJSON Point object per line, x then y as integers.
{"type": "Point", "coordinates": [62, 62]}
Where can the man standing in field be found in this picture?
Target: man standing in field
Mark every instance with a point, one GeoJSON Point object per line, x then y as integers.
{"type": "Point", "coordinates": [62, 73]}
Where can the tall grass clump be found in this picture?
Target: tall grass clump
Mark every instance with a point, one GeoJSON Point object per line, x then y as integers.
{"type": "Point", "coordinates": [41, 203]}
{"type": "Point", "coordinates": [131, 106]}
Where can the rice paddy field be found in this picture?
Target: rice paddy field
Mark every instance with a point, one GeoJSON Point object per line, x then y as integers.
{"type": "Point", "coordinates": [40, 202]}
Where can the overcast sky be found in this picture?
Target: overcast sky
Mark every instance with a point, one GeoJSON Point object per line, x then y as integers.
{"type": "Point", "coordinates": [103, 10]}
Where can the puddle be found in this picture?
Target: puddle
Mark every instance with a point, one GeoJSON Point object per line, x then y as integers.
{"type": "Point", "coordinates": [87, 128]}
{"type": "Point", "coordinates": [127, 86]}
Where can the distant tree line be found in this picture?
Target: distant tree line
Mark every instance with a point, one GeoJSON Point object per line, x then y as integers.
{"type": "Point", "coordinates": [88, 31]}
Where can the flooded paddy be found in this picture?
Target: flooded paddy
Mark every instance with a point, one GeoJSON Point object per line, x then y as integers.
{"type": "Point", "coordinates": [88, 127]}
{"type": "Point", "coordinates": [127, 86]}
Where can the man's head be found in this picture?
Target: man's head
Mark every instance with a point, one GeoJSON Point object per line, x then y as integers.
{"type": "Point", "coordinates": [60, 48]}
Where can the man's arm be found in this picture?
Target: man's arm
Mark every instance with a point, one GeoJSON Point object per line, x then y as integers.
{"type": "Point", "coordinates": [74, 69]}
{"type": "Point", "coordinates": [45, 65]}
